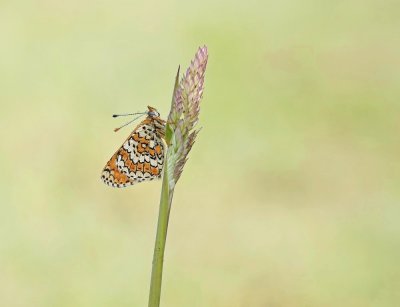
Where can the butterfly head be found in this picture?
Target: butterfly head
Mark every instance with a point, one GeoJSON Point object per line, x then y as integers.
{"type": "Point", "coordinates": [153, 112]}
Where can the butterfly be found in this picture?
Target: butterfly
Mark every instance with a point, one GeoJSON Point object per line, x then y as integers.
{"type": "Point", "coordinates": [141, 156]}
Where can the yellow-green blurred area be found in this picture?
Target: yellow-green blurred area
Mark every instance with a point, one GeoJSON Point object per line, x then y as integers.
{"type": "Point", "coordinates": [290, 197]}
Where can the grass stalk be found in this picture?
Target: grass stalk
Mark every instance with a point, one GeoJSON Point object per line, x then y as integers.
{"type": "Point", "coordinates": [159, 247]}
{"type": "Point", "coordinates": [162, 225]}
{"type": "Point", "coordinates": [180, 134]}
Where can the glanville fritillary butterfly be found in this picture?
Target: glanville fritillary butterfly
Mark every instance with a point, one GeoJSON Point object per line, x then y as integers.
{"type": "Point", "coordinates": [141, 156]}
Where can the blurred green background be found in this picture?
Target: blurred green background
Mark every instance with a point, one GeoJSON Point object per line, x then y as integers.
{"type": "Point", "coordinates": [291, 194]}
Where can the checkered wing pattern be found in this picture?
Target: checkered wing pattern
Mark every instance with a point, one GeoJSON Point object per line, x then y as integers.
{"type": "Point", "coordinates": [140, 158]}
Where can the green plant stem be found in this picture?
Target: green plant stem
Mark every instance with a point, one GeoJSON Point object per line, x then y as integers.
{"type": "Point", "coordinates": [159, 247]}
{"type": "Point", "coordinates": [162, 225]}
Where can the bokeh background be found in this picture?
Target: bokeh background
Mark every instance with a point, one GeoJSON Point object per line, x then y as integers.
{"type": "Point", "coordinates": [290, 197]}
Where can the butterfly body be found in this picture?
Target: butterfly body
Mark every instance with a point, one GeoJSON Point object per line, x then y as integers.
{"type": "Point", "coordinates": [141, 156]}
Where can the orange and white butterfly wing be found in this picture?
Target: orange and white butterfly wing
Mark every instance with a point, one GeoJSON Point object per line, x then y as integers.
{"type": "Point", "coordinates": [140, 158]}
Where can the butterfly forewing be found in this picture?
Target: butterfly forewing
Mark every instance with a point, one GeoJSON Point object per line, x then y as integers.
{"type": "Point", "coordinates": [140, 158]}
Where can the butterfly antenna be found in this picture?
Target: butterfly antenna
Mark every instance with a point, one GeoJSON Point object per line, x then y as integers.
{"type": "Point", "coordinates": [131, 121]}
{"type": "Point", "coordinates": [117, 115]}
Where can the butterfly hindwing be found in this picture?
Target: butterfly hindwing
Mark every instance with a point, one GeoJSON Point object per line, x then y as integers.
{"type": "Point", "coordinates": [140, 158]}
